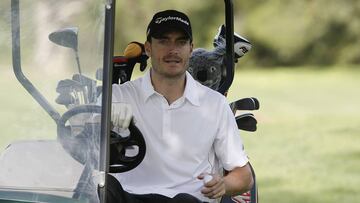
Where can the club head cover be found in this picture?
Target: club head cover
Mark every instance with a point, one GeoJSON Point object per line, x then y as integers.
{"type": "Point", "coordinates": [241, 45]}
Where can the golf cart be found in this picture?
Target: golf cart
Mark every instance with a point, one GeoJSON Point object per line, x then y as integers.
{"type": "Point", "coordinates": [71, 164]}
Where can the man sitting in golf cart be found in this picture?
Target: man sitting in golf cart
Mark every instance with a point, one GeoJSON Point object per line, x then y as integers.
{"type": "Point", "coordinates": [189, 129]}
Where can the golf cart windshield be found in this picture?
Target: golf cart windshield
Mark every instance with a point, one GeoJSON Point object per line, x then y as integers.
{"type": "Point", "coordinates": [50, 120]}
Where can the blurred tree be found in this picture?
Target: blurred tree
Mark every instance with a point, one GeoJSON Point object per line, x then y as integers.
{"type": "Point", "coordinates": [293, 32]}
{"type": "Point", "coordinates": [321, 32]}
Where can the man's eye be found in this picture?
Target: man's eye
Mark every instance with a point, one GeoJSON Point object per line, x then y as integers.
{"type": "Point", "coordinates": [163, 41]}
{"type": "Point", "coordinates": [182, 42]}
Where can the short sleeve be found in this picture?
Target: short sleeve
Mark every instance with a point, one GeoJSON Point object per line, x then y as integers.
{"type": "Point", "coordinates": [228, 144]}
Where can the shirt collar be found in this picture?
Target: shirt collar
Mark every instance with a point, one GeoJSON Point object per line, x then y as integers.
{"type": "Point", "coordinates": [147, 87]}
{"type": "Point", "coordinates": [190, 92]}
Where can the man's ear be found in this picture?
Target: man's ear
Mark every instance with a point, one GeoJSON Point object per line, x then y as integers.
{"type": "Point", "coordinates": [147, 46]}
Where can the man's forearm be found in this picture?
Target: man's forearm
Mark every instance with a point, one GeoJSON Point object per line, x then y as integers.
{"type": "Point", "coordinates": [238, 180]}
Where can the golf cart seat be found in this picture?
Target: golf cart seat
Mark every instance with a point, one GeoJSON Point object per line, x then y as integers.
{"type": "Point", "coordinates": [39, 166]}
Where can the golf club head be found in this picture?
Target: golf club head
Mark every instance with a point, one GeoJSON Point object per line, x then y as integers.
{"type": "Point", "coordinates": [249, 103]}
{"type": "Point", "coordinates": [67, 37]}
{"type": "Point", "coordinates": [70, 92]}
{"type": "Point", "coordinates": [66, 99]}
{"type": "Point", "coordinates": [68, 85]}
{"type": "Point", "coordinates": [246, 122]}
{"type": "Point", "coordinates": [83, 80]}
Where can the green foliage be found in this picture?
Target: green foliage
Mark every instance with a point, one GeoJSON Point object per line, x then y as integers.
{"type": "Point", "coordinates": [321, 32]}
{"type": "Point", "coordinates": [293, 32]}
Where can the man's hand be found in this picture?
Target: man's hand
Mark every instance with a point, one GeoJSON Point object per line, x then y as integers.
{"type": "Point", "coordinates": [237, 181]}
{"type": "Point", "coordinates": [121, 114]}
{"type": "Point", "coordinates": [214, 186]}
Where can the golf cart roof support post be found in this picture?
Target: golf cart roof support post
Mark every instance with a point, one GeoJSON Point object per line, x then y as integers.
{"type": "Point", "coordinates": [106, 94]}
{"type": "Point", "coordinates": [16, 58]}
{"type": "Point", "coordinates": [229, 26]}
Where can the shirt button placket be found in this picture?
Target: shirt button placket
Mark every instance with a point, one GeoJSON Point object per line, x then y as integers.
{"type": "Point", "coordinates": [166, 118]}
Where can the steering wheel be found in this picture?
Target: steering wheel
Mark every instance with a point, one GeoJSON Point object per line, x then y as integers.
{"type": "Point", "coordinates": [119, 145]}
{"type": "Point", "coordinates": [84, 145]}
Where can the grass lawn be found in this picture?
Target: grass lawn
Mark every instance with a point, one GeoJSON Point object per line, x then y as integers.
{"type": "Point", "coordinates": [306, 148]}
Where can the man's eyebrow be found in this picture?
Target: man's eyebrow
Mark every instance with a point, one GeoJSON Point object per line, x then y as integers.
{"type": "Point", "coordinates": [183, 38]}
{"type": "Point", "coordinates": [162, 37]}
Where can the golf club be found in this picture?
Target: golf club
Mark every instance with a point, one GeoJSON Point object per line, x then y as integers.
{"type": "Point", "coordinates": [246, 122]}
{"type": "Point", "coordinates": [67, 37]}
{"type": "Point", "coordinates": [70, 92]}
{"type": "Point", "coordinates": [249, 103]}
{"type": "Point", "coordinates": [89, 86]}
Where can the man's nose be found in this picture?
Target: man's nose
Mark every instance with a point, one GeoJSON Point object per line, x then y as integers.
{"type": "Point", "coordinates": [173, 47]}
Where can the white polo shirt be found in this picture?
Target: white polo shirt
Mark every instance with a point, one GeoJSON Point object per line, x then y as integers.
{"type": "Point", "coordinates": [183, 140]}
